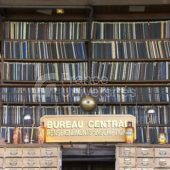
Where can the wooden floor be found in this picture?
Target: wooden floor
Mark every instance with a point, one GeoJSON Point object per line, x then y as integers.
{"type": "Point", "coordinates": [88, 166]}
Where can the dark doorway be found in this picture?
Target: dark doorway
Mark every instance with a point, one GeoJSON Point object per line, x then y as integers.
{"type": "Point", "coordinates": [88, 165]}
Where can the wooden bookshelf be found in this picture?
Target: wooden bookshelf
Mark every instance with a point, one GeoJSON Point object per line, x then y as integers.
{"type": "Point", "coordinates": [28, 12]}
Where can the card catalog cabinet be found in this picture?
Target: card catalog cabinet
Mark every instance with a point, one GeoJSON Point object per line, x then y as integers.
{"type": "Point", "coordinates": [142, 157]}
{"type": "Point", "coordinates": [30, 157]}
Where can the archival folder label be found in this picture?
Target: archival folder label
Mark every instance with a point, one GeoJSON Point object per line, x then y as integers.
{"type": "Point", "coordinates": [87, 128]}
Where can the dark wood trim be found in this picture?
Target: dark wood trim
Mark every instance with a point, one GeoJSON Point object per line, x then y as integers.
{"type": "Point", "coordinates": [31, 3]}
{"type": "Point", "coordinates": [46, 60]}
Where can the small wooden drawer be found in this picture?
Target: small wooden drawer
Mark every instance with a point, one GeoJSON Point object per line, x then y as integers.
{"type": "Point", "coordinates": [49, 162]}
{"type": "Point", "coordinates": [31, 162]}
{"type": "Point", "coordinates": [31, 152]}
{"type": "Point", "coordinates": [162, 162]}
{"type": "Point", "coordinates": [126, 162]}
{"type": "Point", "coordinates": [49, 169]}
{"type": "Point", "coordinates": [127, 151]}
{"type": "Point", "coordinates": [1, 162]}
{"type": "Point", "coordinates": [2, 150]}
{"type": "Point", "coordinates": [46, 152]}
{"type": "Point", "coordinates": [145, 162]}
{"type": "Point", "coordinates": [12, 162]}
{"type": "Point", "coordinates": [12, 168]}
{"type": "Point", "coordinates": [145, 152]}
{"type": "Point", "coordinates": [162, 152]}
{"type": "Point", "coordinates": [13, 152]}
{"type": "Point", "coordinates": [31, 169]}
{"type": "Point", "coordinates": [127, 168]}
{"type": "Point", "coordinates": [145, 169]}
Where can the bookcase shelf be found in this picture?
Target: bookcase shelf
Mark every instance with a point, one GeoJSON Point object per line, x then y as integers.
{"type": "Point", "coordinates": [159, 55]}
{"type": "Point", "coordinates": [133, 60]}
{"type": "Point", "coordinates": [78, 104]}
{"type": "Point", "coordinates": [46, 60]}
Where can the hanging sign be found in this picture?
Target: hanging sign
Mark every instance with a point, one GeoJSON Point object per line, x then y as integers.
{"type": "Point", "coordinates": [87, 128]}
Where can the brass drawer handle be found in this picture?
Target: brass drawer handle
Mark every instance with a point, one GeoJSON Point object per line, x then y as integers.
{"type": "Point", "coordinates": [31, 163]}
{"type": "Point", "coordinates": [162, 163]}
{"type": "Point", "coordinates": [48, 162]}
{"type": "Point", "coordinates": [31, 153]}
{"type": "Point", "coordinates": [162, 152]}
{"type": "Point", "coordinates": [13, 163]}
{"type": "Point", "coordinates": [144, 163]}
{"type": "Point", "coordinates": [13, 153]}
{"type": "Point", "coordinates": [49, 152]}
{"type": "Point", "coordinates": [127, 153]}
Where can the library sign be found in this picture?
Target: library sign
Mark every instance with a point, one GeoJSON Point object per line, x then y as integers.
{"type": "Point", "coordinates": [87, 128]}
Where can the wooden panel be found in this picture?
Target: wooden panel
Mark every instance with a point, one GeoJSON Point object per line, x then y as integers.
{"type": "Point", "coordinates": [126, 162]}
{"type": "Point", "coordinates": [49, 162]}
{"type": "Point", "coordinates": [12, 162]}
{"type": "Point", "coordinates": [162, 152]}
{"type": "Point", "coordinates": [12, 168]}
{"type": "Point", "coordinates": [1, 152]}
{"type": "Point", "coordinates": [145, 152]}
{"type": "Point", "coordinates": [1, 162]}
{"type": "Point", "coordinates": [50, 152]}
{"type": "Point", "coordinates": [145, 162]}
{"type": "Point", "coordinates": [31, 162]}
{"type": "Point", "coordinates": [30, 169]}
{"type": "Point", "coordinates": [13, 152]}
{"type": "Point", "coordinates": [81, 2]}
{"type": "Point", "coordinates": [162, 162]}
{"type": "Point", "coordinates": [127, 151]}
{"type": "Point", "coordinates": [31, 152]}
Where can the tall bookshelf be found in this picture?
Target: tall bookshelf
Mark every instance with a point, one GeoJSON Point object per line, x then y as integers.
{"type": "Point", "coordinates": [126, 87]}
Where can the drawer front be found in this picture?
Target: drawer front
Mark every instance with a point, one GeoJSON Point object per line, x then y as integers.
{"type": "Point", "coordinates": [145, 162]}
{"type": "Point", "coordinates": [49, 162]}
{"type": "Point", "coordinates": [145, 169]}
{"type": "Point", "coordinates": [31, 162]}
{"type": "Point", "coordinates": [31, 152]}
{"type": "Point", "coordinates": [12, 168]}
{"type": "Point", "coordinates": [2, 151]}
{"type": "Point", "coordinates": [145, 152]}
{"type": "Point", "coordinates": [1, 162]}
{"type": "Point", "coordinates": [13, 152]}
{"type": "Point", "coordinates": [46, 152]}
{"type": "Point", "coordinates": [162, 152]}
{"type": "Point", "coordinates": [126, 162]}
{"type": "Point", "coordinates": [12, 162]}
{"type": "Point", "coordinates": [127, 168]}
{"type": "Point", "coordinates": [30, 169]}
{"type": "Point", "coordinates": [127, 151]}
{"type": "Point", "coordinates": [162, 162]}
{"type": "Point", "coordinates": [49, 168]}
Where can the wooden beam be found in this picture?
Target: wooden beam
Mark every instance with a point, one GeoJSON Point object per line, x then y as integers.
{"type": "Point", "coordinates": [22, 3]}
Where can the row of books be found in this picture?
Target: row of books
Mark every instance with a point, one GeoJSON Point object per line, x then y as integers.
{"type": "Point", "coordinates": [79, 30]}
{"type": "Point", "coordinates": [44, 50]}
{"type": "Point", "coordinates": [74, 94]}
{"type": "Point", "coordinates": [131, 71]}
{"type": "Point", "coordinates": [46, 30]}
{"type": "Point", "coordinates": [101, 71]}
{"type": "Point", "coordinates": [153, 132]}
{"type": "Point", "coordinates": [14, 115]}
{"type": "Point", "coordinates": [45, 71]}
{"type": "Point", "coordinates": [130, 49]}
{"type": "Point", "coordinates": [7, 134]}
{"type": "Point", "coordinates": [131, 30]}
